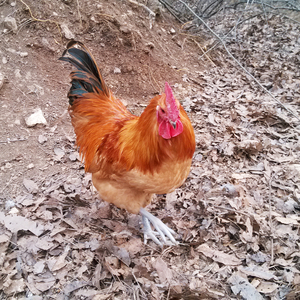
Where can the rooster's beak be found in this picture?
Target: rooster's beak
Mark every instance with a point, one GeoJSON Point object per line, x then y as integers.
{"type": "Point", "coordinates": [173, 124]}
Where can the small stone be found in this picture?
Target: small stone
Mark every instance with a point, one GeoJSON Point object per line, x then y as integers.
{"type": "Point", "coordinates": [1, 80]}
{"type": "Point", "coordinates": [30, 166]}
{"type": "Point", "coordinates": [8, 165]}
{"type": "Point", "coordinates": [36, 118]}
{"type": "Point", "coordinates": [67, 32]}
{"type": "Point", "coordinates": [117, 70]}
{"type": "Point", "coordinates": [18, 73]}
{"type": "Point", "coordinates": [9, 204]}
{"type": "Point", "coordinates": [125, 29]}
{"type": "Point", "coordinates": [59, 153]}
{"type": "Point", "coordinates": [13, 211]}
{"type": "Point", "coordinates": [74, 156]}
{"type": "Point", "coordinates": [17, 122]}
{"type": "Point", "coordinates": [150, 45]}
{"type": "Point", "coordinates": [23, 54]}
{"type": "Point", "coordinates": [47, 45]}
{"type": "Point", "coordinates": [11, 24]}
{"type": "Point", "coordinates": [42, 139]}
{"type": "Point", "coordinates": [172, 31]}
{"type": "Point", "coordinates": [4, 60]}
{"type": "Point", "coordinates": [30, 186]}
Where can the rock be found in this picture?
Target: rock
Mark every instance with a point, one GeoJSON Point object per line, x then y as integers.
{"type": "Point", "coordinates": [1, 80]}
{"type": "Point", "coordinates": [30, 186]}
{"type": "Point", "coordinates": [150, 45]}
{"type": "Point", "coordinates": [67, 32]}
{"type": "Point", "coordinates": [30, 166]}
{"type": "Point", "coordinates": [172, 31]}
{"type": "Point", "coordinates": [13, 211]}
{"type": "Point", "coordinates": [23, 54]}
{"type": "Point", "coordinates": [18, 73]}
{"type": "Point", "coordinates": [42, 139]}
{"type": "Point", "coordinates": [9, 204]}
{"type": "Point", "coordinates": [125, 29]}
{"type": "Point", "coordinates": [117, 70]}
{"type": "Point", "coordinates": [11, 24]}
{"type": "Point", "coordinates": [36, 118]}
{"type": "Point", "coordinates": [4, 60]}
{"type": "Point", "coordinates": [59, 153]}
{"type": "Point", "coordinates": [47, 45]}
{"type": "Point", "coordinates": [74, 156]}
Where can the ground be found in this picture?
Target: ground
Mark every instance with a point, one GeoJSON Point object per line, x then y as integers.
{"type": "Point", "coordinates": [236, 214]}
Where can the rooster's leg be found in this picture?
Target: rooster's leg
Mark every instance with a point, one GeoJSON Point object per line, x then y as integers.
{"type": "Point", "coordinates": [162, 229]}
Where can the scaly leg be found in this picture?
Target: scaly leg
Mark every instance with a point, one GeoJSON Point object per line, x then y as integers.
{"type": "Point", "coordinates": [162, 229]}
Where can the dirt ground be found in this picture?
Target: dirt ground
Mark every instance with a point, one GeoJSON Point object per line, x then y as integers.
{"type": "Point", "coordinates": [236, 215]}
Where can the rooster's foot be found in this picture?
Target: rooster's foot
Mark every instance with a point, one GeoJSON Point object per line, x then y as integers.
{"type": "Point", "coordinates": [162, 230]}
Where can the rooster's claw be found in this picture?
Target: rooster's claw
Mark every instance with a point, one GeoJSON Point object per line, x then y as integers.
{"type": "Point", "coordinates": [162, 230]}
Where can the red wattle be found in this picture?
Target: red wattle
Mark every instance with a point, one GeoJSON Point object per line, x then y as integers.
{"type": "Point", "coordinates": [167, 131]}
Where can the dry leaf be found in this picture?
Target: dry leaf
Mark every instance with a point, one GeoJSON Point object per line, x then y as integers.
{"type": "Point", "coordinates": [219, 256]}
{"type": "Point", "coordinates": [257, 271]}
{"type": "Point", "coordinates": [267, 287]}
{"type": "Point", "coordinates": [164, 273]}
{"type": "Point", "coordinates": [16, 223]}
{"type": "Point", "coordinates": [241, 286]}
{"type": "Point", "coordinates": [61, 261]}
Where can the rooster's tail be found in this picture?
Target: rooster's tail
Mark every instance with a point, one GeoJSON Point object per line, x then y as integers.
{"type": "Point", "coordinates": [87, 78]}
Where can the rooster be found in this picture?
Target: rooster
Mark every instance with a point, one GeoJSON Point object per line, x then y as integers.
{"type": "Point", "coordinates": [130, 157]}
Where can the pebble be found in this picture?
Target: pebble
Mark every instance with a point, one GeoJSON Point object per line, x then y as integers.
{"type": "Point", "coordinates": [30, 166]}
{"type": "Point", "coordinates": [13, 211]}
{"type": "Point", "coordinates": [42, 139]}
{"type": "Point", "coordinates": [172, 31]}
{"type": "Point", "coordinates": [11, 24]}
{"type": "Point", "coordinates": [74, 156]}
{"type": "Point", "coordinates": [125, 29]}
{"type": "Point", "coordinates": [59, 153]}
{"type": "Point", "coordinates": [30, 186]}
{"type": "Point", "coordinates": [117, 70]}
{"type": "Point", "coordinates": [18, 73]}
{"type": "Point", "coordinates": [9, 204]}
{"type": "Point", "coordinates": [67, 32]}
{"type": "Point", "coordinates": [1, 80]}
{"type": "Point", "coordinates": [4, 60]}
{"type": "Point", "coordinates": [23, 54]}
{"type": "Point", "coordinates": [36, 118]}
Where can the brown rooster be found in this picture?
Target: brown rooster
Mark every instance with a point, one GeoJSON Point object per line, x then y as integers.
{"type": "Point", "coordinates": [130, 158]}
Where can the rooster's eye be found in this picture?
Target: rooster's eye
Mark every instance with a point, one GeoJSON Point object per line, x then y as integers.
{"type": "Point", "coordinates": [163, 111]}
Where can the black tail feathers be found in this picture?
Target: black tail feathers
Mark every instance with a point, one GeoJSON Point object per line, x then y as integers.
{"type": "Point", "coordinates": [87, 78]}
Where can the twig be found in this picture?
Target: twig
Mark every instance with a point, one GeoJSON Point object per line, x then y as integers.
{"type": "Point", "coordinates": [152, 77]}
{"type": "Point", "coordinates": [291, 19]}
{"type": "Point", "coordinates": [138, 284]}
{"type": "Point", "coordinates": [233, 210]}
{"type": "Point", "coordinates": [204, 53]}
{"type": "Point", "coordinates": [151, 13]}
{"type": "Point", "coordinates": [237, 62]}
{"type": "Point", "coordinates": [270, 217]}
{"type": "Point", "coordinates": [40, 20]}
{"type": "Point", "coordinates": [79, 14]}
{"type": "Point", "coordinates": [12, 141]}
